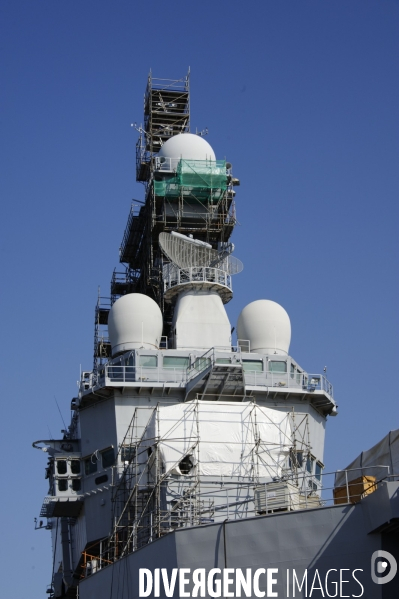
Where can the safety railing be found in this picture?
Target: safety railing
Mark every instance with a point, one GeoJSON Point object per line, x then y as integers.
{"type": "Point", "coordinates": [168, 165]}
{"type": "Point", "coordinates": [110, 373]}
{"type": "Point", "coordinates": [201, 364]}
{"type": "Point", "coordinates": [155, 374]}
{"type": "Point", "coordinates": [301, 380]}
{"type": "Point", "coordinates": [173, 276]}
{"type": "Point", "coordinates": [224, 500]}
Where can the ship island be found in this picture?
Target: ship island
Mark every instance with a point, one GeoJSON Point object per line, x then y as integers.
{"type": "Point", "coordinates": [193, 465]}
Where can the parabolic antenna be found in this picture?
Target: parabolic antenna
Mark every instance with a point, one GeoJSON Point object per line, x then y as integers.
{"type": "Point", "coordinates": [186, 252]}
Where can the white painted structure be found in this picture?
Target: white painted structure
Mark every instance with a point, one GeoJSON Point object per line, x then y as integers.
{"type": "Point", "coordinates": [187, 146]}
{"type": "Point", "coordinates": [220, 437]}
{"type": "Point", "coordinates": [200, 321]}
{"type": "Point", "coordinates": [134, 321]}
{"type": "Point", "coordinates": [267, 326]}
{"type": "Point", "coordinates": [191, 431]}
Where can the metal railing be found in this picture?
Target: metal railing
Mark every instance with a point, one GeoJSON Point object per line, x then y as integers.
{"type": "Point", "coordinates": [302, 380]}
{"type": "Point", "coordinates": [221, 501]}
{"type": "Point", "coordinates": [111, 373]}
{"type": "Point", "coordinates": [168, 165]}
{"type": "Point", "coordinates": [173, 276]}
{"type": "Point", "coordinates": [154, 374]}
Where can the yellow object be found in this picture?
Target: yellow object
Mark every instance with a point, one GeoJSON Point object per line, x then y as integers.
{"type": "Point", "coordinates": [358, 488]}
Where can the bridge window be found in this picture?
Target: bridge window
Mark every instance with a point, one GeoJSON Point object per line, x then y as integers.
{"type": "Point", "coordinates": [201, 363]}
{"type": "Point", "coordinates": [76, 484]}
{"type": "Point", "coordinates": [108, 457]}
{"type": "Point", "coordinates": [252, 365]}
{"type": "Point", "coordinates": [63, 484]}
{"type": "Point", "coordinates": [149, 361]}
{"type": "Point", "coordinates": [318, 470]}
{"type": "Point", "coordinates": [176, 362]}
{"type": "Point", "coordinates": [275, 366]}
{"type": "Point", "coordinates": [75, 466]}
{"type": "Point", "coordinates": [61, 466]}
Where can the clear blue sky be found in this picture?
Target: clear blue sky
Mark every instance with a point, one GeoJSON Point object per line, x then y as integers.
{"type": "Point", "coordinates": [301, 96]}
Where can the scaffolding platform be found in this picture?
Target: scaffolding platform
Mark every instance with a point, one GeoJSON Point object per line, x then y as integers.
{"type": "Point", "coordinates": [122, 283]}
{"type": "Point", "coordinates": [132, 237]}
{"type": "Point", "coordinates": [166, 110]}
{"type": "Point", "coordinates": [191, 197]}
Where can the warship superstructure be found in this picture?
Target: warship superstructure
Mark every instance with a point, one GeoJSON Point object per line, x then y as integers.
{"type": "Point", "coordinates": [188, 451]}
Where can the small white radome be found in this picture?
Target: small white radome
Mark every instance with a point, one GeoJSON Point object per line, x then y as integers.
{"type": "Point", "coordinates": [134, 321]}
{"type": "Point", "coordinates": [266, 325]}
{"type": "Point", "coordinates": [187, 146]}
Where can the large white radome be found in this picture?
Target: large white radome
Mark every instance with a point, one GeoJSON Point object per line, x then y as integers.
{"type": "Point", "coordinates": [134, 321]}
{"type": "Point", "coordinates": [267, 326]}
{"type": "Point", "coordinates": [187, 146]}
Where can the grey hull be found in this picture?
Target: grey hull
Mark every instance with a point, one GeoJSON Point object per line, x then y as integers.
{"type": "Point", "coordinates": [339, 539]}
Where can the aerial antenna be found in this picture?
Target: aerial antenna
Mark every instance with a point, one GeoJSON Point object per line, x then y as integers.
{"type": "Point", "coordinates": [139, 128]}
{"type": "Point", "coordinates": [63, 421]}
{"type": "Point", "coordinates": [201, 133]}
{"type": "Point", "coordinates": [186, 252]}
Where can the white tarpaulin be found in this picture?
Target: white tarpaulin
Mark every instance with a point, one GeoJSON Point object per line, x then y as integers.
{"type": "Point", "coordinates": [374, 461]}
{"type": "Point", "coordinates": [222, 439]}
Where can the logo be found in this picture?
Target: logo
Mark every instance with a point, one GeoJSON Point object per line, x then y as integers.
{"type": "Point", "coordinates": [383, 567]}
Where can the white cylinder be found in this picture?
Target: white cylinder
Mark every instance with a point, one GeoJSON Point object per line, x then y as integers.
{"type": "Point", "coordinates": [200, 321]}
{"type": "Point", "coordinates": [266, 325]}
{"type": "Point", "coordinates": [134, 321]}
{"type": "Point", "coordinates": [187, 146]}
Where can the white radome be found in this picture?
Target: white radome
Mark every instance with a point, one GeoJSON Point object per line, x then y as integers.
{"type": "Point", "coordinates": [187, 146]}
{"type": "Point", "coordinates": [134, 322]}
{"type": "Point", "coordinates": [267, 326]}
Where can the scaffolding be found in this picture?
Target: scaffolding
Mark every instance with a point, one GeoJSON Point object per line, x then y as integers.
{"type": "Point", "coordinates": [166, 113]}
{"type": "Point", "coordinates": [168, 480]}
{"type": "Point", "coordinates": [194, 197]}
{"type": "Point", "coordinates": [196, 179]}
{"type": "Point", "coordinates": [166, 477]}
{"type": "Point", "coordinates": [102, 346]}
{"type": "Point", "coordinates": [189, 197]}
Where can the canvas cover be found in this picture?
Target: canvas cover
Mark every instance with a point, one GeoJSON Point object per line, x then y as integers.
{"type": "Point", "coordinates": [199, 176]}
{"type": "Point", "coordinates": [374, 461]}
{"type": "Point", "coordinates": [222, 438]}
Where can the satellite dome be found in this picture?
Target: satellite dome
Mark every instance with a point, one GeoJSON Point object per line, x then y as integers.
{"type": "Point", "coordinates": [187, 146]}
{"type": "Point", "coordinates": [267, 326]}
{"type": "Point", "coordinates": [134, 321]}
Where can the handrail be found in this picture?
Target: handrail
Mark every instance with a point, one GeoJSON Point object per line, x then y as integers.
{"type": "Point", "coordinates": [170, 165]}
{"type": "Point", "coordinates": [173, 276]}
{"type": "Point", "coordinates": [217, 501]}
{"type": "Point", "coordinates": [120, 373]}
{"type": "Point", "coordinates": [300, 380]}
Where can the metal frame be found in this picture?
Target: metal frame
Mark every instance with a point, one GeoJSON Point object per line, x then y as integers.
{"type": "Point", "coordinates": [210, 217]}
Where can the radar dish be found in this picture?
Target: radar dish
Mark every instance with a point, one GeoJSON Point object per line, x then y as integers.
{"type": "Point", "coordinates": [186, 252]}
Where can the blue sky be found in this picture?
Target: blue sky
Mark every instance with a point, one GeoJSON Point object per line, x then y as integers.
{"type": "Point", "coordinates": [300, 96]}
